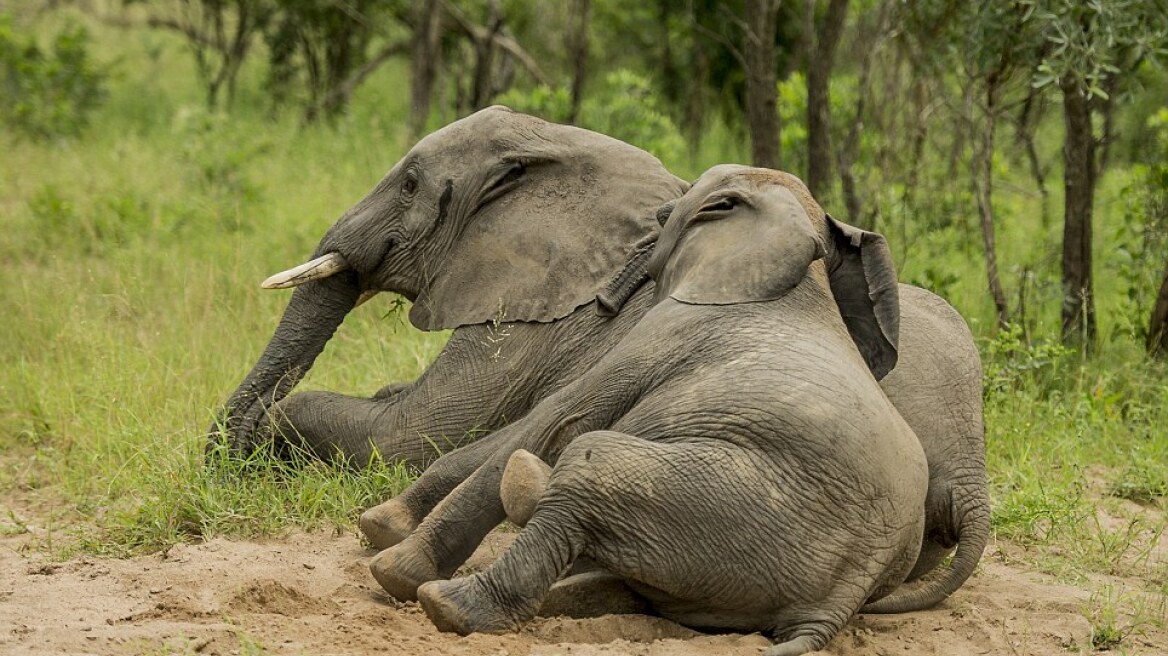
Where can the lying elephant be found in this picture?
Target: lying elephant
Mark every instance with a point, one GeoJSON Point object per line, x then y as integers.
{"type": "Point", "coordinates": [503, 216]}
{"type": "Point", "coordinates": [501, 226]}
{"type": "Point", "coordinates": [732, 458]}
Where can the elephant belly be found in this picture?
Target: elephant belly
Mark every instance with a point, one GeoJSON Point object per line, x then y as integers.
{"type": "Point", "coordinates": [705, 613]}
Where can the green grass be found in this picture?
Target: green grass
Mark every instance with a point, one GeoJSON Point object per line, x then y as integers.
{"type": "Point", "coordinates": [129, 269]}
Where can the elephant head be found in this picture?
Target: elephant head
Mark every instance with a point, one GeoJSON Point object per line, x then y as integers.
{"type": "Point", "coordinates": [745, 235]}
{"type": "Point", "coordinates": [497, 216]}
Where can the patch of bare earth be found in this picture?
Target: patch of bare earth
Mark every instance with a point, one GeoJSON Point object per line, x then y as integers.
{"type": "Point", "coordinates": [311, 593]}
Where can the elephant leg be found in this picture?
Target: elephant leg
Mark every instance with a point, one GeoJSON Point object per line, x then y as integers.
{"type": "Point", "coordinates": [448, 535]}
{"type": "Point", "coordinates": [330, 425]}
{"type": "Point", "coordinates": [524, 481]}
{"type": "Point", "coordinates": [391, 390]}
{"type": "Point", "coordinates": [523, 581]}
{"type": "Point", "coordinates": [592, 594]}
{"type": "Point", "coordinates": [613, 495]}
{"type": "Point", "coordinates": [391, 522]}
{"type": "Point", "coordinates": [512, 589]}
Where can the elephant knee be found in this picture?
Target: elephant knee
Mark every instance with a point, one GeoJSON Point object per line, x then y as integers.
{"type": "Point", "coordinates": [525, 479]}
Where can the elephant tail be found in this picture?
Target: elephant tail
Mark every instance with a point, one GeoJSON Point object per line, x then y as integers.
{"type": "Point", "coordinates": [971, 542]}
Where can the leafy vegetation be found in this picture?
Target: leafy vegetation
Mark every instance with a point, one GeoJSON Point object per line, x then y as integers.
{"type": "Point", "coordinates": [48, 93]}
{"type": "Point", "coordinates": [130, 255]}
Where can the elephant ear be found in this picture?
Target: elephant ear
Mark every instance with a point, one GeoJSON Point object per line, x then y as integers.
{"type": "Point", "coordinates": [548, 247]}
{"type": "Point", "coordinates": [735, 249]}
{"type": "Point", "coordinates": [863, 282]}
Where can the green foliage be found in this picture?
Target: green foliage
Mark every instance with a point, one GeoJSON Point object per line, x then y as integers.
{"type": "Point", "coordinates": [1011, 362]}
{"type": "Point", "coordinates": [51, 93]}
{"type": "Point", "coordinates": [1142, 237]}
{"type": "Point", "coordinates": [1092, 42]}
{"type": "Point", "coordinates": [625, 108]}
{"type": "Point", "coordinates": [552, 104]}
{"type": "Point", "coordinates": [315, 45]}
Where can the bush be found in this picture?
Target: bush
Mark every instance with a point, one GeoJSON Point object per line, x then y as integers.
{"type": "Point", "coordinates": [48, 94]}
{"type": "Point", "coordinates": [624, 108]}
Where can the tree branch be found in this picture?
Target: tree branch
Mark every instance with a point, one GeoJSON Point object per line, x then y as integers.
{"type": "Point", "coordinates": [480, 34]}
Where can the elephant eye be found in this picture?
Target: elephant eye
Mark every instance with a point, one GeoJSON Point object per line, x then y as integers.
{"type": "Point", "coordinates": [409, 186]}
{"type": "Point", "coordinates": [514, 173]}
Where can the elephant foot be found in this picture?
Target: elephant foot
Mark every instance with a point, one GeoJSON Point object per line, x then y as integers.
{"type": "Point", "coordinates": [592, 594]}
{"type": "Point", "coordinates": [387, 524]}
{"type": "Point", "coordinates": [524, 481]}
{"type": "Point", "coordinates": [795, 647]}
{"type": "Point", "coordinates": [461, 606]}
{"type": "Point", "coordinates": [401, 569]}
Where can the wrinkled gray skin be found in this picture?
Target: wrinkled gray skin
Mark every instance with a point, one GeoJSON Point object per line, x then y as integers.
{"type": "Point", "coordinates": [936, 385]}
{"type": "Point", "coordinates": [499, 216]}
{"type": "Point", "coordinates": [540, 242]}
{"type": "Point", "coordinates": [732, 459]}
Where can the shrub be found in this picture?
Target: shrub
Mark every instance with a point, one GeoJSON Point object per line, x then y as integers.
{"type": "Point", "coordinates": [625, 108]}
{"type": "Point", "coordinates": [50, 93]}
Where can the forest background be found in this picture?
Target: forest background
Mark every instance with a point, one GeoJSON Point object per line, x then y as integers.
{"type": "Point", "coordinates": [160, 157]}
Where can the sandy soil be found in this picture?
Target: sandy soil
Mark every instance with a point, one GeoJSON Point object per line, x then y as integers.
{"type": "Point", "coordinates": [311, 593]}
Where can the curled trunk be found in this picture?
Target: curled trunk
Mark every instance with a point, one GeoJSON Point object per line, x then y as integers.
{"type": "Point", "coordinates": [312, 316]}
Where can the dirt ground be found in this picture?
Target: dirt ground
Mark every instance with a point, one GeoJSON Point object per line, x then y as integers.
{"type": "Point", "coordinates": [311, 593]}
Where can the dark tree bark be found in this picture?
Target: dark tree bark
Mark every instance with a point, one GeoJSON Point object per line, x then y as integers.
{"type": "Point", "coordinates": [220, 34]}
{"type": "Point", "coordinates": [484, 71]}
{"type": "Point", "coordinates": [982, 171]}
{"type": "Point", "coordinates": [339, 95]}
{"type": "Point", "coordinates": [758, 53]}
{"type": "Point", "coordinates": [1158, 324]}
{"type": "Point", "coordinates": [577, 43]}
{"type": "Point", "coordinates": [487, 79]}
{"type": "Point", "coordinates": [1026, 125]}
{"type": "Point", "coordinates": [849, 153]}
{"type": "Point", "coordinates": [1078, 311]}
{"type": "Point", "coordinates": [425, 57]}
{"type": "Point", "coordinates": [821, 59]}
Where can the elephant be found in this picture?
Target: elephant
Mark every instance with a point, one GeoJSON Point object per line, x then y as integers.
{"type": "Point", "coordinates": [500, 226]}
{"type": "Point", "coordinates": [708, 374]}
{"type": "Point", "coordinates": [733, 458]}
{"type": "Point", "coordinates": [529, 240]}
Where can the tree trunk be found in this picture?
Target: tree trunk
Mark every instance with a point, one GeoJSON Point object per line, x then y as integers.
{"type": "Point", "coordinates": [1158, 325]}
{"type": "Point", "coordinates": [1078, 312]}
{"type": "Point", "coordinates": [424, 61]}
{"type": "Point", "coordinates": [578, 52]}
{"type": "Point", "coordinates": [983, 189]}
{"type": "Point", "coordinates": [821, 59]}
{"type": "Point", "coordinates": [484, 73]}
{"type": "Point", "coordinates": [762, 103]}
{"type": "Point", "coordinates": [1027, 124]}
{"type": "Point", "coordinates": [850, 152]}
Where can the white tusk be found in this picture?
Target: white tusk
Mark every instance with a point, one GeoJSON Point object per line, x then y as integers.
{"type": "Point", "coordinates": [322, 267]}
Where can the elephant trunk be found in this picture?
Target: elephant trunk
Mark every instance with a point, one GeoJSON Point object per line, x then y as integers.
{"type": "Point", "coordinates": [971, 542]}
{"type": "Point", "coordinates": [313, 314]}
